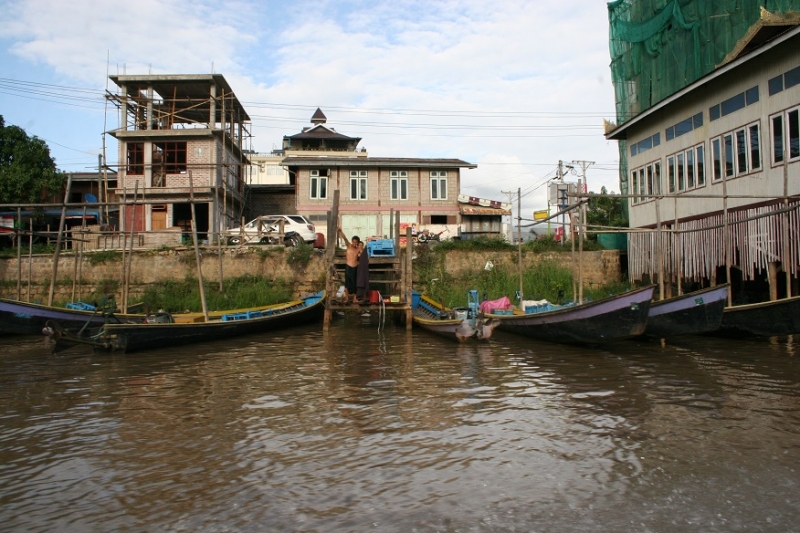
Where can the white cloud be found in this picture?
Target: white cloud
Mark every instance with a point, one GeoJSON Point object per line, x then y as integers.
{"type": "Point", "coordinates": [512, 86]}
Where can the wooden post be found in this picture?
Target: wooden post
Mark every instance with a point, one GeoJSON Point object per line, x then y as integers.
{"type": "Point", "coordinates": [19, 254]}
{"type": "Point", "coordinates": [726, 237]}
{"type": "Point", "coordinates": [58, 243]}
{"type": "Point", "coordinates": [80, 255]}
{"type": "Point", "coordinates": [519, 246]}
{"type": "Point", "coordinates": [220, 235]}
{"type": "Point", "coordinates": [396, 230]}
{"type": "Point", "coordinates": [580, 252]}
{"type": "Point", "coordinates": [30, 264]}
{"type": "Point", "coordinates": [787, 268]}
{"type": "Point", "coordinates": [197, 250]}
{"type": "Point", "coordinates": [330, 256]}
{"type": "Point", "coordinates": [127, 268]}
{"type": "Point", "coordinates": [408, 277]}
{"type": "Point", "coordinates": [572, 242]}
{"type": "Point", "coordinates": [659, 253]}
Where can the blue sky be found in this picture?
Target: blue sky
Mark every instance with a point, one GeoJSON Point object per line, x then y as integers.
{"type": "Point", "coordinates": [510, 85]}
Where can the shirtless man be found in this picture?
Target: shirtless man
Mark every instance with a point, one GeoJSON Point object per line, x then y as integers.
{"type": "Point", "coordinates": [354, 250]}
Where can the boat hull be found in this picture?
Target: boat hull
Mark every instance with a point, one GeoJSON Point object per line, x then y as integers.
{"type": "Point", "coordinates": [764, 319]}
{"type": "Point", "coordinates": [689, 314]}
{"type": "Point", "coordinates": [23, 318]}
{"type": "Point", "coordinates": [138, 337]}
{"type": "Point", "coordinates": [610, 319]}
{"type": "Point", "coordinates": [432, 317]}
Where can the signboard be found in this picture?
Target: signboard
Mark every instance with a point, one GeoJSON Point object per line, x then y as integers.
{"type": "Point", "coordinates": [539, 215]}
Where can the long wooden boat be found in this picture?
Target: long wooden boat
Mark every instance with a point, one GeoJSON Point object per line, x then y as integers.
{"type": "Point", "coordinates": [24, 318]}
{"type": "Point", "coordinates": [609, 319]}
{"type": "Point", "coordinates": [136, 337]}
{"type": "Point", "coordinates": [687, 314]}
{"type": "Point", "coordinates": [458, 324]}
{"type": "Point", "coordinates": [764, 319]}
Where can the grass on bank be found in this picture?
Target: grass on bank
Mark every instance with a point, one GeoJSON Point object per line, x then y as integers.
{"type": "Point", "coordinates": [241, 292]}
{"type": "Point", "coordinates": [544, 280]}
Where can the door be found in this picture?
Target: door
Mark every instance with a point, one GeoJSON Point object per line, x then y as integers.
{"type": "Point", "coordinates": [158, 218]}
{"type": "Point", "coordinates": [362, 225]}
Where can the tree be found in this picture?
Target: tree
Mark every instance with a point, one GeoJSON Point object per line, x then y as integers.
{"type": "Point", "coordinates": [28, 173]}
{"type": "Point", "coordinates": [607, 210]}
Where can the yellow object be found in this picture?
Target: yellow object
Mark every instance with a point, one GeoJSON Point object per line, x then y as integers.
{"type": "Point", "coordinates": [395, 299]}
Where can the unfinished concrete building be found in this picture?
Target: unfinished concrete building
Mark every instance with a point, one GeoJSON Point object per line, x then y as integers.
{"type": "Point", "coordinates": [176, 133]}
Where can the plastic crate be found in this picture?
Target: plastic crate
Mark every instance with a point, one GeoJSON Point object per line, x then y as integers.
{"type": "Point", "coordinates": [380, 248]}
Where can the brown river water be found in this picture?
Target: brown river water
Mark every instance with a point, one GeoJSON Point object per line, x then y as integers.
{"type": "Point", "coordinates": [387, 430]}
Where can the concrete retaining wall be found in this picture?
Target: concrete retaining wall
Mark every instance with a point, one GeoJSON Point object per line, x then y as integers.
{"type": "Point", "coordinates": [150, 266]}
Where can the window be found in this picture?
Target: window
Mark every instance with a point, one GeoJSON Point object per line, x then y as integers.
{"type": "Point", "coordinates": [686, 169]}
{"type": "Point", "coordinates": [727, 142]}
{"type": "Point", "coordinates": [734, 103]}
{"type": "Point", "coordinates": [358, 184]}
{"type": "Point", "coordinates": [319, 184]}
{"type": "Point", "coordinates": [755, 147]}
{"type": "Point", "coordinates": [690, 170]}
{"type": "Point", "coordinates": [737, 153]}
{"type": "Point", "coordinates": [777, 139]}
{"type": "Point", "coordinates": [741, 152]}
{"type": "Point", "coordinates": [671, 173]}
{"type": "Point", "coordinates": [646, 182]}
{"type": "Point", "coordinates": [684, 126]}
{"type": "Point", "coordinates": [135, 159]}
{"type": "Point", "coordinates": [399, 184]}
{"type": "Point", "coordinates": [646, 144]}
{"type": "Point", "coordinates": [700, 164]}
{"type": "Point", "coordinates": [794, 134]}
{"type": "Point", "coordinates": [170, 156]}
{"type": "Point", "coordinates": [784, 81]}
{"type": "Point", "coordinates": [716, 154]}
{"type": "Point", "coordinates": [438, 185]}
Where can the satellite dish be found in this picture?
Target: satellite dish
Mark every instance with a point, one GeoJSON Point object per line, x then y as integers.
{"type": "Point", "coordinates": [90, 198]}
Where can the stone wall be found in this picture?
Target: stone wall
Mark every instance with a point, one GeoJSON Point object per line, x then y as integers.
{"type": "Point", "coordinates": [151, 266]}
{"type": "Point", "coordinates": [599, 267]}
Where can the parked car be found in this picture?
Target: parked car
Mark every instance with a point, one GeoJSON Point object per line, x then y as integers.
{"type": "Point", "coordinates": [266, 230]}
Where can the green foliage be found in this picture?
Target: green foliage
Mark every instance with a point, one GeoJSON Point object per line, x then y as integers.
{"type": "Point", "coordinates": [38, 248]}
{"type": "Point", "coordinates": [479, 243]}
{"type": "Point", "coordinates": [300, 256]}
{"type": "Point", "coordinates": [543, 280]}
{"type": "Point", "coordinates": [27, 171]}
{"type": "Point", "coordinates": [239, 293]}
{"type": "Point", "coordinates": [608, 210]}
{"type": "Point", "coordinates": [106, 286]}
{"type": "Point", "coordinates": [103, 256]}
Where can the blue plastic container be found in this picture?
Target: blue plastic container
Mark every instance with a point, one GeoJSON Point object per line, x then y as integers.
{"type": "Point", "coordinates": [380, 248]}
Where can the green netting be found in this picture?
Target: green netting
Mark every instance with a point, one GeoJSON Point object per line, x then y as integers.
{"type": "Point", "coordinates": [660, 46]}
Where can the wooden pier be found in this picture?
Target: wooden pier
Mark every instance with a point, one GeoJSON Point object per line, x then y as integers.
{"type": "Point", "coordinates": [391, 275]}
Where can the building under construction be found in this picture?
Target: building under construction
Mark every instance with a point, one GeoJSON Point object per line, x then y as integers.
{"type": "Point", "coordinates": [708, 97]}
{"type": "Point", "coordinates": [181, 138]}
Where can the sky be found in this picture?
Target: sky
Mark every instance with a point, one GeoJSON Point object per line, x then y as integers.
{"type": "Point", "coordinates": [512, 86]}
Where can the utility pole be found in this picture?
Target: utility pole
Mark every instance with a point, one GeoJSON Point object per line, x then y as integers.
{"type": "Point", "coordinates": [584, 165]}
{"type": "Point", "coordinates": [510, 195]}
{"type": "Point", "coordinates": [561, 202]}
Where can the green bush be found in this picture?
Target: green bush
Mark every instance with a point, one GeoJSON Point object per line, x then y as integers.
{"type": "Point", "coordinates": [238, 293]}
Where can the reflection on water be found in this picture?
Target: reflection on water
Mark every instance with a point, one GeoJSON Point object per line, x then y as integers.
{"type": "Point", "coordinates": [393, 431]}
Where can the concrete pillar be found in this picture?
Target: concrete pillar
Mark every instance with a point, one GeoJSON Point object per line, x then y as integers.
{"type": "Point", "coordinates": [149, 107]}
{"type": "Point", "coordinates": [212, 115]}
{"type": "Point", "coordinates": [123, 109]}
